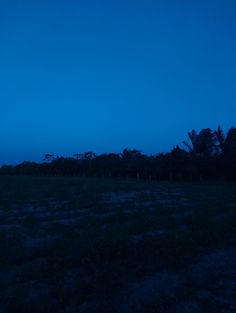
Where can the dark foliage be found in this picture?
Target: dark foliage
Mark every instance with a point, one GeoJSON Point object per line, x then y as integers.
{"type": "Point", "coordinates": [208, 155]}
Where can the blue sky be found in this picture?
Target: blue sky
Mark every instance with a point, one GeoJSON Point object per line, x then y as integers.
{"type": "Point", "coordinates": [104, 75]}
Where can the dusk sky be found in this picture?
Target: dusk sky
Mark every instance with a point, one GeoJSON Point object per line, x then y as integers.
{"type": "Point", "coordinates": [101, 76]}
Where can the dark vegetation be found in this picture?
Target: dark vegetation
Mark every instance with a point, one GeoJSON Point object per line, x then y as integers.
{"type": "Point", "coordinates": [207, 155]}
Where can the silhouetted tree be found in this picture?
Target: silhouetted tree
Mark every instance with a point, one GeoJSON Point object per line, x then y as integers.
{"type": "Point", "coordinates": [202, 144]}
{"type": "Point", "coordinates": [208, 155]}
{"type": "Point", "coordinates": [221, 139]}
{"type": "Point", "coordinates": [230, 143]}
{"type": "Point", "coordinates": [49, 157]}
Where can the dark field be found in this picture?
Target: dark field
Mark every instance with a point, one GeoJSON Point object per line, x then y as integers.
{"type": "Point", "coordinates": [77, 245]}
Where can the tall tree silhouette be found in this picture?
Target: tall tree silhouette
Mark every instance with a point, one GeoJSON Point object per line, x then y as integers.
{"type": "Point", "coordinates": [220, 138]}
{"type": "Point", "coordinates": [230, 143]}
{"type": "Point", "coordinates": [202, 144]}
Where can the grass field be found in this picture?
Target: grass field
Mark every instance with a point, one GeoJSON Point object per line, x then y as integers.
{"type": "Point", "coordinates": [80, 245]}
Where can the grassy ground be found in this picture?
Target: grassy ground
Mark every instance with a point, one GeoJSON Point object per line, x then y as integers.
{"type": "Point", "coordinates": [73, 245]}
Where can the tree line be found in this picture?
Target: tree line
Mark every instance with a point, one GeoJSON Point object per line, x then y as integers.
{"type": "Point", "coordinates": [205, 155]}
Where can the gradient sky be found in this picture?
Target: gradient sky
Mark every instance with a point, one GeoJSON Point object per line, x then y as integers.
{"type": "Point", "coordinates": [81, 75]}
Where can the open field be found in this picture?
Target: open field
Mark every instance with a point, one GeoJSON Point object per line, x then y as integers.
{"type": "Point", "coordinates": [80, 245]}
